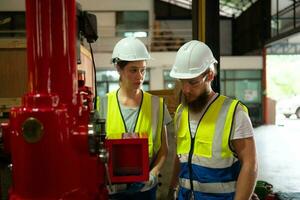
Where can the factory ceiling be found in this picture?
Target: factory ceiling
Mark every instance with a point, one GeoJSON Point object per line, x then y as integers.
{"type": "Point", "coordinates": [228, 8]}
{"type": "Point", "coordinates": [233, 8]}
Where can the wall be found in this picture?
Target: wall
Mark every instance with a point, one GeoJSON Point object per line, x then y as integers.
{"type": "Point", "coordinates": [241, 62]}
{"type": "Point", "coordinates": [13, 73]}
{"type": "Point", "coordinates": [225, 37]}
{"type": "Point", "coordinates": [120, 5]}
{"type": "Point", "coordinates": [179, 28]}
{"type": "Point", "coordinates": [106, 22]}
{"type": "Point", "coordinates": [12, 5]}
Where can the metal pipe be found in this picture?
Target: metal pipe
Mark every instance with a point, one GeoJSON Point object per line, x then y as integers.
{"type": "Point", "coordinates": [51, 32]}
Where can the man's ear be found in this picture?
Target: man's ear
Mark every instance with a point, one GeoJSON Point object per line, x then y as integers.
{"type": "Point", "coordinates": [209, 76]}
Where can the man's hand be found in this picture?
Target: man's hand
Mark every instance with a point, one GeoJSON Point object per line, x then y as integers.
{"type": "Point", "coordinates": [254, 197]}
{"type": "Point", "coordinates": [172, 193]}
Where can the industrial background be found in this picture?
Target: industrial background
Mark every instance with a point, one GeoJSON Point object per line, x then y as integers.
{"type": "Point", "coordinates": [256, 43]}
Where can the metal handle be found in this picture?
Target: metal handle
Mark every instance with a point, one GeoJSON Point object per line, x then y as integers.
{"type": "Point", "coordinates": [108, 178]}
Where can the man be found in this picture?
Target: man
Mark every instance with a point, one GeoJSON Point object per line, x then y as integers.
{"type": "Point", "coordinates": [216, 157]}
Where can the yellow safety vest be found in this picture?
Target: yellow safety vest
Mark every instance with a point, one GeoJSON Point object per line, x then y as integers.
{"type": "Point", "coordinates": [149, 122]}
{"type": "Point", "coordinates": [209, 150]}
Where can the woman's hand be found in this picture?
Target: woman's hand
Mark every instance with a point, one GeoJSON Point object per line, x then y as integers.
{"type": "Point", "coordinates": [153, 180]}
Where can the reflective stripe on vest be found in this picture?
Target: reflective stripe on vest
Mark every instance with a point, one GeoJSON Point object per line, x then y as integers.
{"type": "Point", "coordinates": [149, 122]}
{"type": "Point", "coordinates": [228, 187]}
{"type": "Point", "coordinates": [212, 160]}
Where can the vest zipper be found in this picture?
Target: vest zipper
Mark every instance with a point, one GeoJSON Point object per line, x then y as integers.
{"type": "Point", "coordinates": [190, 163]}
{"type": "Point", "coordinates": [192, 148]}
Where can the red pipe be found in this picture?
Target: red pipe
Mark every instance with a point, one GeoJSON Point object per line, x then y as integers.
{"type": "Point", "coordinates": [51, 48]}
{"type": "Point", "coordinates": [45, 134]}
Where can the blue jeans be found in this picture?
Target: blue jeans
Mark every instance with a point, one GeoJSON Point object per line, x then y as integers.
{"type": "Point", "coordinates": [147, 195]}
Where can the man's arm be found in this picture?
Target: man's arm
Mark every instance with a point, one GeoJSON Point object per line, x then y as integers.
{"type": "Point", "coordinates": [245, 149]}
{"type": "Point", "coordinates": [173, 188]}
{"type": "Point", "coordinates": [175, 173]}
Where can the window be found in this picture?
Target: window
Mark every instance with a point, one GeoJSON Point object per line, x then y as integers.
{"type": "Point", "coordinates": [132, 23]}
{"type": "Point", "coordinates": [12, 24]}
{"type": "Point", "coordinates": [244, 85]}
{"type": "Point", "coordinates": [169, 82]}
{"type": "Point", "coordinates": [108, 80]}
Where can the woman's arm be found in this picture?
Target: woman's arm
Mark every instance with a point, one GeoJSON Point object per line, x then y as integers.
{"type": "Point", "coordinates": [162, 153]}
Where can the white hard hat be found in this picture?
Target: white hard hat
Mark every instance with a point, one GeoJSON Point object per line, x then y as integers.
{"type": "Point", "coordinates": [192, 59]}
{"type": "Point", "coordinates": [130, 49]}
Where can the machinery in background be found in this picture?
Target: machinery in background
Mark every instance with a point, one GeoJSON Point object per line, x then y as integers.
{"type": "Point", "coordinates": [55, 141]}
{"type": "Point", "coordinates": [86, 77]}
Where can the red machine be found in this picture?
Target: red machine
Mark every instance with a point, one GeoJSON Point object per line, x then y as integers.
{"type": "Point", "coordinates": [55, 150]}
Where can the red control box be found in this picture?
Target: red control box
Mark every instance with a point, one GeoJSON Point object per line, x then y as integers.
{"type": "Point", "coordinates": [128, 160]}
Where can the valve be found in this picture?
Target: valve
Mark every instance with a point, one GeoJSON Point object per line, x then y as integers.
{"type": "Point", "coordinates": [96, 139]}
{"type": "Point", "coordinates": [103, 153]}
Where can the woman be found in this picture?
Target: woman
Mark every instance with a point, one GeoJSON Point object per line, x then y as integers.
{"type": "Point", "coordinates": [134, 112]}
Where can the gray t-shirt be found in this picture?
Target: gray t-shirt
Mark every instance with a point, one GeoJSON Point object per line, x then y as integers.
{"type": "Point", "coordinates": [130, 114]}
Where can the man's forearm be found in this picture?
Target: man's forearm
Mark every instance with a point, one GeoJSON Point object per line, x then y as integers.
{"type": "Point", "coordinates": [245, 149]}
{"type": "Point", "coordinates": [175, 173]}
{"type": "Point", "coordinates": [246, 182]}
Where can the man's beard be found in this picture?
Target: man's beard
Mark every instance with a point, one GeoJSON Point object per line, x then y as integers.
{"type": "Point", "coordinates": [199, 103]}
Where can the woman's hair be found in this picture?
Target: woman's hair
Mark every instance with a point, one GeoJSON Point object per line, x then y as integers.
{"type": "Point", "coordinates": [122, 64]}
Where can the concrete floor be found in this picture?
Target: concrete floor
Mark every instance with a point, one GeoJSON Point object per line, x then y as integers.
{"type": "Point", "coordinates": [278, 149]}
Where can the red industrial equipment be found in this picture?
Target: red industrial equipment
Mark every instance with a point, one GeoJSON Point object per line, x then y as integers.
{"type": "Point", "coordinates": [130, 168]}
{"type": "Point", "coordinates": [57, 149]}
{"type": "Point", "coordinates": [85, 91]}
